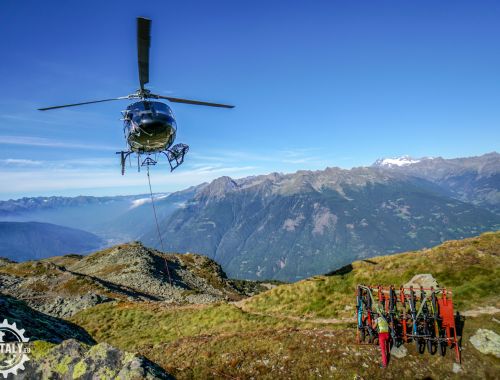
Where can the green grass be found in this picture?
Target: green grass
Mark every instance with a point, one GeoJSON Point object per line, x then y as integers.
{"type": "Point", "coordinates": [28, 269]}
{"type": "Point", "coordinates": [470, 267]}
{"type": "Point", "coordinates": [264, 341]}
{"type": "Point", "coordinates": [127, 325]}
{"type": "Point", "coordinates": [308, 354]}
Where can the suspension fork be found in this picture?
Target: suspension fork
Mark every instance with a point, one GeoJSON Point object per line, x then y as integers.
{"type": "Point", "coordinates": [413, 310]}
{"type": "Point", "coordinates": [434, 308]}
{"type": "Point", "coordinates": [380, 294]}
{"type": "Point", "coordinates": [392, 305]}
{"type": "Point", "coordinates": [402, 299]}
{"type": "Point", "coordinates": [359, 307]}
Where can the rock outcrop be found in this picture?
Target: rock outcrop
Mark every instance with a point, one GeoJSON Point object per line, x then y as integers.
{"type": "Point", "coordinates": [69, 306]}
{"type": "Point", "coordinates": [40, 326]}
{"type": "Point", "coordinates": [425, 280]}
{"type": "Point", "coordinates": [61, 286]}
{"type": "Point", "coordinates": [74, 360]}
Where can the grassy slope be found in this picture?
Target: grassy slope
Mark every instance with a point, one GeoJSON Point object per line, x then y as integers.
{"type": "Point", "coordinates": [262, 341]}
{"type": "Point", "coordinates": [470, 267]}
{"type": "Point", "coordinates": [159, 323]}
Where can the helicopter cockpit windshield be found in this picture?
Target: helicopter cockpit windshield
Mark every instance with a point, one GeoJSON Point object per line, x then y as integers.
{"type": "Point", "coordinates": [146, 112]}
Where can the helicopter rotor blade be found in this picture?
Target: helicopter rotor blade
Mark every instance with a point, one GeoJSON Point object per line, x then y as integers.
{"type": "Point", "coordinates": [81, 104]}
{"type": "Point", "coordinates": [195, 102]}
{"type": "Point", "coordinates": [143, 44]}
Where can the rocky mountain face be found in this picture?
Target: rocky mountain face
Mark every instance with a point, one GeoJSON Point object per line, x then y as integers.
{"type": "Point", "coordinates": [62, 286]}
{"type": "Point", "coordinates": [40, 325]}
{"type": "Point", "coordinates": [34, 240]}
{"type": "Point", "coordinates": [297, 225]}
{"type": "Point", "coordinates": [75, 360]}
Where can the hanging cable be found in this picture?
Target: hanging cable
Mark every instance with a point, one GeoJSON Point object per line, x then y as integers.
{"type": "Point", "coordinates": [179, 334]}
{"type": "Point", "coordinates": [158, 226]}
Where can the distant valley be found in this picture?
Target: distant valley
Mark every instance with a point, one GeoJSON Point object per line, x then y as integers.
{"type": "Point", "coordinates": [33, 240]}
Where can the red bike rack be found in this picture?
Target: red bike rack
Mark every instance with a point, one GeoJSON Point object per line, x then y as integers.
{"type": "Point", "coordinates": [424, 316]}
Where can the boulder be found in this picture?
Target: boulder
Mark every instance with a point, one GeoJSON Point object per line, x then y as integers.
{"type": "Point", "coordinates": [74, 360]}
{"type": "Point", "coordinates": [424, 279]}
{"type": "Point", "coordinates": [399, 352]}
{"type": "Point", "coordinates": [486, 342]}
{"type": "Point", "coordinates": [457, 368]}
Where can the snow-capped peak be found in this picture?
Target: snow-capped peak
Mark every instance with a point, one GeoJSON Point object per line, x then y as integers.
{"type": "Point", "coordinates": [398, 161]}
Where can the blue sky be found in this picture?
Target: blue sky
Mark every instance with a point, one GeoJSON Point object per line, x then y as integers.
{"type": "Point", "coordinates": [315, 84]}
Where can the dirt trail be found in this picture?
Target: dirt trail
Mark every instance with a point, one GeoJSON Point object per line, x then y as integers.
{"type": "Point", "coordinates": [490, 310]}
{"type": "Point", "coordinates": [242, 306]}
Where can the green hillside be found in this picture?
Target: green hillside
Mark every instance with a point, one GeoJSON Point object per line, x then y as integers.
{"type": "Point", "coordinates": [306, 330]}
{"type": "Point", "coordinates": [470, 267]}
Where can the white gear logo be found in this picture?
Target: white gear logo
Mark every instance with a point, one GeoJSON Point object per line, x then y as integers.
{"type": "Point", "coordinates": [16, 349]}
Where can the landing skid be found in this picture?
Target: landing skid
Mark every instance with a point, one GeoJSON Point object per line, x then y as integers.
{"type": "Point", "coordinates": [175, 156]}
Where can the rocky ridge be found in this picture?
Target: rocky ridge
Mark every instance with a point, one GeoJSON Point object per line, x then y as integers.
{"type": "Point", "coordinates": [64, 285]}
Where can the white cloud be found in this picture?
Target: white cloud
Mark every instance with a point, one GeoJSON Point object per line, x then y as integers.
{"type": "Point", "coordinates": [20, 162]}
{"type": "Point", "coordinates": [142, 201]}
{"type": "Point", "coordinates": [45, 142]}
{"type": "Point", "coordinates": [288, 156]}
{"type": "Point", "coordinates": [86, 163]}
{"type": "Point", "coordinates": [61, 179]}
{"type": "Point", "coordinates": [99, 175]}
{"type": "Point", "coordinates": [23, 118]}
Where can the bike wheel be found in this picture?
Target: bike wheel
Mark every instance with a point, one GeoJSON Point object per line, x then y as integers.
{"type": "Point", "coordinates": [443, 348]}
{"type": "Point", "coordinates": [421, 346]}
{"type": "Point", "coordinates": [427, 340]}
{"type": "Point", "coordinates": [432, 347]}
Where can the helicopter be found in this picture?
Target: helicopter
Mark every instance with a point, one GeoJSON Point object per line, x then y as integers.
{"type": "Point", "coordinates": [148, 124]}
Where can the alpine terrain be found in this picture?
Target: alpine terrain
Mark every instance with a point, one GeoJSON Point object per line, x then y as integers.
{"type": "Point", "coordinates": [134, 312]}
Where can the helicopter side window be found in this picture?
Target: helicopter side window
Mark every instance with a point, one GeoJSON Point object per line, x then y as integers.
{"type": "Point", "coordinates": [139, 110]}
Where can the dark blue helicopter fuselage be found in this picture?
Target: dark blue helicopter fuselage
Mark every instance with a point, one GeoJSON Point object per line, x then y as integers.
{"type": "Point", "coordinates": [149, 126]}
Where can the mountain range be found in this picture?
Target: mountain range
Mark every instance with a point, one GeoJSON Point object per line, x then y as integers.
{"type": "Point", "coordinates": [292, 226]}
